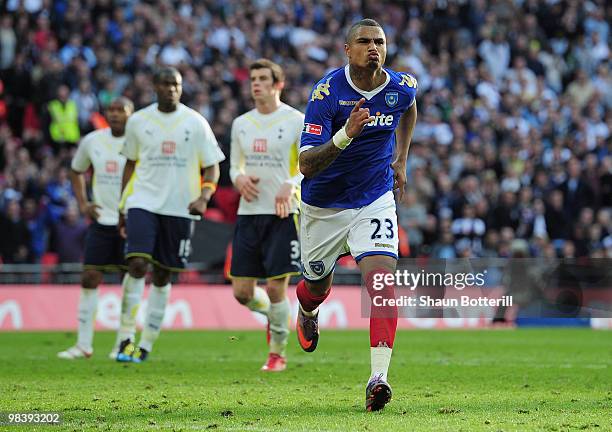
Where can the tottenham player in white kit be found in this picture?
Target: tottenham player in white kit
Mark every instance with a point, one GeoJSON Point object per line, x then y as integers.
{"type": "Point", "coordinates": [352, 161]}
{"type": "Point", "coordinates": [166, 146]}
{"type": "Point", "coordinates": [103, 244]}
{"type": "Point", "coordinates": [264, 168]}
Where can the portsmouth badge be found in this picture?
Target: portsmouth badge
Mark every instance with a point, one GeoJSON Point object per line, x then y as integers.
{"type": "Point", "coordinates": [317, 267]}
{"type": "Point", "coordinates": [391, 98]}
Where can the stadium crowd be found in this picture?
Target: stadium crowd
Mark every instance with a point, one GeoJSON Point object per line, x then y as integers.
{"type": "Point", "coordinates": [512, 154]}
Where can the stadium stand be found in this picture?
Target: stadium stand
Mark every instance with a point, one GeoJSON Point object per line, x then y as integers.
{"type": "Point", "coordinates": [515, 107]}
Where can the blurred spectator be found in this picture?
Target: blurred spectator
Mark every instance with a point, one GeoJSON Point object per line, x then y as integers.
{"type": "Point", "coordinates": [30, 6]}
{"type": "Point", "coordinates": [576, 193]}
{"type": "Point", "coordinates": [69, 236]}
{"type": "Point", "coordinates": [74, 48]}
{"type": "Point", "coordinates": [86, 104]}
{"type": "Point", "coordinates": [444, 248]}
{"type": "Point", "coordinates": [515, 99]}
{"type": "Point", "coordinates": [495, 51]}
{"type": "Point", "coordinates": [59, 192]}
{"type": "Point", "coordinates": [412, 216]}
{"type": "Point", "coordinates": [15, 238]}
{"type": "Point", "coordinates": [506, 213]}
{"type": "Point", "coordinates": [468, 230]}
{"type": "Point", "coordinates": [174, 53]}
{"type": "Point", "coordinates": [490, 244]}
{"type": "Point", "coordinates": [605, 179]}
{"type": "Point", "coordinates": [568, 250]}
{"type": "Point", "coordinates": [557, 224]}
{"type": "Point", "coordinates": [37, 226]}
{"type": "Point", "coordinates": [581, 89]}
{"type": "Point", "coordinates": [63, 119]}
{"type": "Point", "coordinates": [18, 87]}
{"type": "Point", "coordinates": [8, 42]}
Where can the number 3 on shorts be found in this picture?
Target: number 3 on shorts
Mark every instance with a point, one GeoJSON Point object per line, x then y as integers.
{"type": "Point", "coordinates": [295, 249]}
{"type": "Point", "coordinates": [377, 225]}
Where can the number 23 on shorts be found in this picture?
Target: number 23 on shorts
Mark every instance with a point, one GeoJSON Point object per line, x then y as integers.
{"type": "Point", "coordinates": [382, 228]}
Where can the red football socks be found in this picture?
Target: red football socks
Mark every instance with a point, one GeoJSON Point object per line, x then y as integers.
{"type": "Point", "coordinates": [308, 301]}
{"type": "Point", "coordinates": [383, 319]}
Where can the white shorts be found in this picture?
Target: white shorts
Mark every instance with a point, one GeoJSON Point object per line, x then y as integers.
{"type": "Point", "coordinates": [326, 234]}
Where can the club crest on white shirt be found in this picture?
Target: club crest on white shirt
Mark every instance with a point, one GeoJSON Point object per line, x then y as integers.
{"type": "Point", "coordinates": [168, 147]}
{"type": "Point", "coordinates": [260, 145]}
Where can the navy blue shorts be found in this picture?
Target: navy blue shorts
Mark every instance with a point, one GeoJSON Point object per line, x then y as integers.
{"type": "Point", "coordinates": [163, 240]}
{"type": "Point", "coordinates": [265, 247]}
{"type": "Point", "coordinates": [104, 248]}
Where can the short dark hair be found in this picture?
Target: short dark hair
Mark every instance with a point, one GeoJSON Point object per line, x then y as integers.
{"type": "Point", "coordinates": [366, 22]}
{"type": "Point", "coordinates": [277, 72]}
{"type": "Point", "coordinates": [127, 103]}
{"type": "Point", "coordinates": [164, 71]}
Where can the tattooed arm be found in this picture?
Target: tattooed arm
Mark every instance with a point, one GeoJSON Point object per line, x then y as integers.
{"type": "Point", "coordinates": [316, 159]}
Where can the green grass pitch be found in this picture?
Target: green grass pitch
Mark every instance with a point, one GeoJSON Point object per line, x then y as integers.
{"type": "Point", "coordinates": [506, 380]}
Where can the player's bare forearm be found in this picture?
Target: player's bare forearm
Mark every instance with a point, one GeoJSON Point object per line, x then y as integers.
{"type": "Point", "coordinates": [128, 171]}
{"type": "Point", "coordinates": [316, 159]}
{"type": "Point", "coordinates": [404, 136]}
{"type": "Point", "coordinates": [405, 131]}
{"type": "Point", "coordinates": [210, 176]}
{"type": "Point", "coordinates": [78, 186]}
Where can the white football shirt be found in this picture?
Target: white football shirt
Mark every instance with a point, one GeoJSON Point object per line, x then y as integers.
{"type": "Point", "coordinates": [170, 149]}
{"type": "Point", "coordinates": [100, 149]}
{"type": "Point", "coordinates": [266, 146]}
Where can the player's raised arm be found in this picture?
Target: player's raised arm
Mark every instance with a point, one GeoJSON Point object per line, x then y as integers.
{"type": "Point", "coordinates": [316, 159]}
{"type": "Point", "coordinates": [404, 136]}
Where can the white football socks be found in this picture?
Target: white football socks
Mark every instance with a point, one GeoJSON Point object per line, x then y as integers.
{"type": "Point", "coordinates": [310, 314]}
{"type": "Point", "coordinates": [132, 294]}
{"type": "Point", "coordinates": [156, 308]}
{"type": "Point", "coordinates": [88, 303]}
{"type": "Point", "coordinates": [278, 317]}
{"type": "Point", "coordinates": [260, 301]}
{"type": "Point", "coordinates": [380, 358]}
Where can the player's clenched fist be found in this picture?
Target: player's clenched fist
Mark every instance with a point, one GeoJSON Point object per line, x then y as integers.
{"type": "Point", "coordinates": [198, 206]}
{"type": "Point", "coordinates": [357, 120]}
